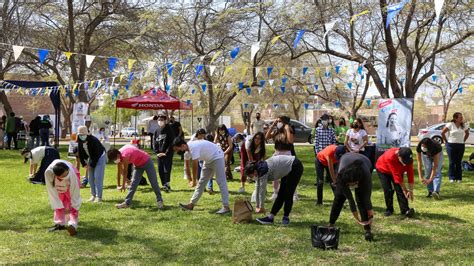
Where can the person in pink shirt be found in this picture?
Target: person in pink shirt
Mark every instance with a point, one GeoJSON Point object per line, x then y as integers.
{"type": "Point", "coordinates": [142, 162]}
{"type": "Point", "coordinates": [62, 183]}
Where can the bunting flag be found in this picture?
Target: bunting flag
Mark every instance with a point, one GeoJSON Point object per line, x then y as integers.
{"type": "Point", "coordinates": [42, 54]}
{"type": "Point", "coordinates": [269, 71]}
{"type": "Point", "coordinates": [454, 76]}
{"type": "Point", "coordinates": [131, 62]}
{"type": "Point", "coordinates": [204, 87]}
{"type": "Point", "coordinates": [338, 104]}
{"type": "Point", "coordinates": [212, 68]}
{"type": "Point", "coordinates": [193, 91]}
{"type": "Point", "coordinates": [168, 88]}
{"type": "Point", "coordinates": [227, 70]}
{"type": "Point", "coordinates": [249, 90]}
{"type": "Point", "coordinates": [306, 106]}
{"type": "Point", "coordinates": [254, 50]}
{"type": "Point", "coordinates": [460, 90]}
{"type": "Point", "coordinates": [299, 36]}
{"type": "Point", "coordinates": [199, 68]}
{"type": "Point", "coordinates": [275, 105]}
{"type": "Point", "coordinates": [169, 69]}
{"type": "Point", "coordinates": [354, 17]}
{"type": "Point", "coordinates": [257, 71]}
{"type": "Point", "coordinates": [199, 103]}
{"type": "Point", "coordinates": [369, 101]}
{"type": "Point", "coordinates": [305, 70]}
{"type": "Point", "coordinates": [315, 87]}
{"type": "Point", "coordinates": [434, 77]}
{"type": "Point", "coordinates": [262, 83]}
{"type": "Point", "coordinates": [349, 85]}
{"type": "Point", "coordinates": [188, 102]}
{"type": "Point", "coordinates": [282, 71]}
{"type": "Point", "coordinates": [283, 89]}
{"type": "Point", "coordinates": [283, 80]}
{"type": "Point", "coordinates": [112, 63]}
{"type": "Point", "coordinates": [130, 78]}
{"type": "Point", "coordinates": [359, 70]}
{"type": "Point", "coordinates": [186, 62]}
{"type": "Point", "coordinates": [228, 86]}
{"type": "Point", "coordinates": [246, 105]}
{"type": "Point", "coordinates": [438, 7]}
{"type": "Point", "coordinates": [214, 57]}
{"type": "Point", "coordinates": [392, 11]}
{"type": "Point", "coordinates": [89, 60]}
{"type": "Point", "coordinates": [255, 105]}
{"type": "Point", "coordinates": [329, 26]}
{"type": "Point", "coordinates": [260, 89]}
{"type": "Point", "coordinates": [241, 86]}
{"type": "Point", "coordinates": [17, 51]}
{"type": "Point", "coordinates": [286, 106]}
{"type": "Point", "coordinates": [293, 71]}
{"type": "Point", "coordinates": [338, 69]}
{"type": "Point", "coordinates": [271, 81]}
{"type": "Point", "coordinates": [318, 71]}
{"type": "Point", "coordinates": [275, 39]}
{"type": "Point", "coordinates": [150, 65]}
{"type": "Point", "coordinates": [294, 88]}
{"type": "Point", "coordinates": [68, 55]}
{"type": "Point", "coordinates": [234, 53]}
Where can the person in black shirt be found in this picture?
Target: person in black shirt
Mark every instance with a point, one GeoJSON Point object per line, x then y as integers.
{"type": "Point", "coordinates": [429, 155]}
{"type": "Point", "coordinates": [34, 132]}
{"type": "Point", "coordinates": [177, 130]}
{"type": "Point", "coordinates": [45, 125]}
{"type": "Point", "coordinates": [354, 172]}
{"type": "Point", "coordinates": [163, 137]}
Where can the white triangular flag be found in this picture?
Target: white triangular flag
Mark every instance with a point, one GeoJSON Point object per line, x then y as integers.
{"type": "Point", "coordinates": [212, 69]}
{"type": "Point", "coordinates": [89, 60]}
{"type": "Point", "coordinates": [17, 51]}
{"type": "Point", "coordinates": [286, 105]}
{"type": "Point", "coordinates": [257, 70]}
{"type": "Point", "coordinates": [199, 103]}
{"type": "Point", "coordinates": [313, 79]}
{"type": "Point", "coordinates": [329, 27]}
{"type": "Point", "coordinates": [253, 50]}
{"type": "Point", "coordinates": [438, 7]}
{"type": "Point", "coordinates": [151, 65]}
{"type": "Point", "coordinates": [294, 88]}
{"type": "Point", "coordinates": [260, 90]}
{"type": "Point", "coordinates": [270, 81]}
{"type": "Point", "coordinates": [255, 105]}
{"type": "Point", "coordinates": [228, 86]}
{"type": "Point", "coordinates": [293, 71]}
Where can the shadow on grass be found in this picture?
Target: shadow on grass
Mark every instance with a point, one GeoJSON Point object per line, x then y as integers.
{"type": "Point", "coordinates": [438, 216]}
{"type": "Point", "coordinates": [402, 241]}
{"type": "Point", "coordinates": [91, 232]}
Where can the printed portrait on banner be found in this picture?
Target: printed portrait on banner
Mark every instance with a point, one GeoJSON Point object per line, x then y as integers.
{"type": "Point", "coordinates": [394, 123]}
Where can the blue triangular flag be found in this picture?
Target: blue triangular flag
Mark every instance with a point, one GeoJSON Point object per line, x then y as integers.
{"type": "Point", "coordinates": [42, 53]}
{"type": "Point", "coordinates": [327, 74]}
{"type": "Point", "coordinates": [306, 106]}
{"type": "Point", "coordinates": [338, 104]}
{"type": "Point", "coordinates": [299, 36]}
{"type": "Point", "coordinates": [434, 77]}
{"type": "Point", "coordinates": [249, 90]}
{"type": "Point", "coordinates": [368, 102]}
{"type": "Point", "coordinates": [283, 89]}
{"type": "Point", "coordinates": [275, 105]}
{"type": "Point", "coordinates": [359, 70]}
{"type": "Point", "coordinates": [188, 102]}
{"type": "Point", "coordinates": [193, 91]}
{"type": "Point", "coordinates": [112, 63]}
{"type": "Point", "coordinates": [246, 105]}
{"type": "Point", "coordinates": [234, 52]}
{"type": "Point", "coordinates": [269, 71]}
{"type": "Point", "coordinates": [338, 69]}
{"type": "Point", "coordinates": [349, 85]}
{"type": "Point", "coordinates": [262, 83]}
{"type": "Point", "coordinates": [130, 78]}
{"type": "Point", "coordinates": [241, 85]}
{"type": "Point", "coordinates": [199, 68]}
{"type": "Point", "coordinates": [392, 11]}
{"type": "Point", "coordinates": [305, 69]}
{"type": "Point", "coordinates": [169, 68]}
{"type": "Point", "coordinates": [168, 88]}
{"type": "Point", "coordinates": [203, 87]}
{"type": "Point", "coordinates": [460, 90]}
{"type": "Point", "coordinates": [316, 87]}
{"type": "Point", "coordinates": [283, 80]}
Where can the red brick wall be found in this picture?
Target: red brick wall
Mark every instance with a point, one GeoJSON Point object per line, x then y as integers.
{"type": "Point", "coordinates": [30, 106]}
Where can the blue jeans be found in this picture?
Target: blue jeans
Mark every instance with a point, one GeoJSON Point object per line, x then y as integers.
{"type": "Point", "coordinates": [428, 164]}
{"type": "Point", "coordinates": [455, 153]}
{"type": "Point", "coordinates": [44, 134]}
{"type": "Point", "coordinates": [96, 177]}
{"type": "Point", "coordinates": [149, 168]}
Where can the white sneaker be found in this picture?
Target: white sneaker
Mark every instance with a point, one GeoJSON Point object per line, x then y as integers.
{"type": "Point", "coordinates": [160, 205]}
{"type": "Point", "coordinates": [274, 196]}
{"type": "Point", "coordinates": [241, 190]}
{"type": "Point", "coordinates": [92, 199]}
{"type": "Point", "coordinates": [451, 181]}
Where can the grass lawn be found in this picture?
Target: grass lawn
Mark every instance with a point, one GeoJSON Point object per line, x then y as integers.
{"type": "Point", "coordinates": [441, 232]}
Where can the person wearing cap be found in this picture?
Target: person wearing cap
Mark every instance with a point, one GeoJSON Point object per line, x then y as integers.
{"type": "Point", "coordinates": [354, 172]}
{"type": "Point", "coordinates": [326, 159]}
{"type": "Point", "coordinates": [391, 166]}
{"type": "Point", "coordinates": [164, 136]}
{"type": "Point", "coordinates": [92, 155]}
{"type": "Point", "coordinates": [285, 167]}
{"type": "Point", "coordinates": [152, 126]}
{"type": "Point", "coordinates": [43, 156]}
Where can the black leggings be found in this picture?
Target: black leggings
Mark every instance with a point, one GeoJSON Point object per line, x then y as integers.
{"type": "Point", "coordinates": [389, 187]}
{"type": "Point", "coordinates": [288, 186]}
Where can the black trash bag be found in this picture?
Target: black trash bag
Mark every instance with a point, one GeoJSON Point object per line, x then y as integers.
{"type": "Point", "coordinates": [143, 181]}
{"type": "Point", "coordinates": [324, 237]}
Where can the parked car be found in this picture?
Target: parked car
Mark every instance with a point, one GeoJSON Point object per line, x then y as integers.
{"type": "Point", "coordinates": [129, 132]}
{"type": "Point", "coordinates": [302, 131]}
{"type": "Point", "coordinates": [434, 132]}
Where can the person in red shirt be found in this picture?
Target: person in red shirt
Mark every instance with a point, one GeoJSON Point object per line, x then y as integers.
{"type": "Point", "coordinates": [391, 166]}
{"type": "Point", "coordinates": [327, 159]}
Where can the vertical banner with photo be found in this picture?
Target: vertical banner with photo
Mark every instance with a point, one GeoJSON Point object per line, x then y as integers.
{"type": "Point", "coordinates": [394, 124]}
{"type": "Point", "coordinates": [78, 119]}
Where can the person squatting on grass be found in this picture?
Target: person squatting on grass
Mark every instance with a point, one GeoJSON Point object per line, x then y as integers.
{"type": "Point", "coordinates": [429, 155]}
{"type": "Point", "coordinates": [326, 159]}
{"type": "Point", "coordinates": [354, 173]}
{"type": "Point", "coordinates": [213, 164]}
{"type": "Point", "coordinates": [62, 185]}
{"type": "Point", "coordinates": [391, 166]}
{"type": "Point", "coordinates": [43, 156]}
{"type": "Point", "coordinates": [286, 167]}
{"type": "Point", "coordinates": [142, 162]}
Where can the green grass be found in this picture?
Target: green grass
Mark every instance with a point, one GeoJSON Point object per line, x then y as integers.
{"type": "Point", "coordinates": [440, 233]}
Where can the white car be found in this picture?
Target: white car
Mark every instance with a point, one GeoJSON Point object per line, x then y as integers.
{"type": "Point", "coordinates": [434, 132]}
{"type": "Point", "coordinates": [129, 132]}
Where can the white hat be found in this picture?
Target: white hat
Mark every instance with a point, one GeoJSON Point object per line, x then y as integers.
{"type": "Point", "coordinates": [82, 130]}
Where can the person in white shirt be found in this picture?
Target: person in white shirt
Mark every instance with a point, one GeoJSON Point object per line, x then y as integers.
{"type": "Point", "coordinates": [43, 156]}
{"type": "Point", "coordinates": [257, 125]}
{"type": "Point", "coordinates": [457, 133]}
{"type": "Point", "coordinates": [357, 137]}
{"type": "Point", "coordinates": [152, 126]}
{"type": "Point", "coordinates": [213, 158]}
